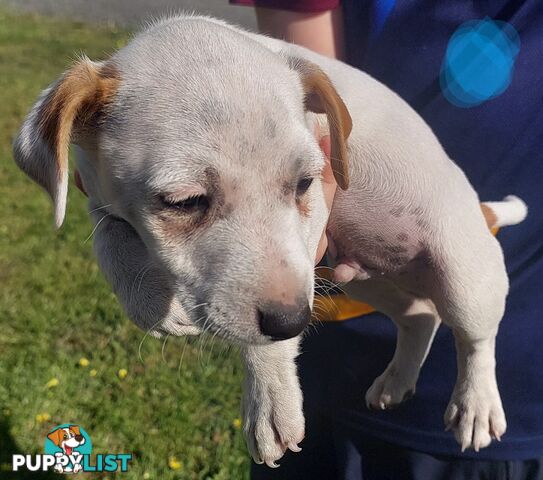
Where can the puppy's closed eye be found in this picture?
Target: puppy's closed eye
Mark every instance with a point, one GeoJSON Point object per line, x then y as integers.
{"type": "Point", "coordinates": [303, 186]}
{"type": "Point", "coordinates": [177, 217]}
{"type": "Point", "coordinates": [190, 205]}
{"type": "Point", "coordinates": [302, 201]}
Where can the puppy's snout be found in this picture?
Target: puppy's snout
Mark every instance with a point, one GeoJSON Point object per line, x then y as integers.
{"type": "Point", "coordinates": [79, 438]}
{"type": "Point", "coordinates": [280, 322]}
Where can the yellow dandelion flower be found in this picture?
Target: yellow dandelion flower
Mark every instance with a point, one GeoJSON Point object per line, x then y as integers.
{"type": "Point", "coordinates": [236, 423]}
{"type": "Point", "coordinates": [146, 475]}
{"type": "Point", "coordinates": [84, 362]}
{"type": "Point", "coordinates": [123, 372]}
{"type": "Point", "coordinates": [43, 417]}
{"type": "Point", "coordinates": [93, 372]}
{"type": "Point", "coordinates": [174, 463]}
{"type": "Point", "coordinates": [52, 383]}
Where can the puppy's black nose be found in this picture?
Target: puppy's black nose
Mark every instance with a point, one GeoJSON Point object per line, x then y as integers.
{"type": "Point", "coordinates": [79, 438]}
{"type": "Point", "coordinates": [283, 321]}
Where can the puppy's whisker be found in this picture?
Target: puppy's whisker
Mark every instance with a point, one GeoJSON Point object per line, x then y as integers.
{"type": "Point", "coordinates": [225, 347]}
{"type": "Point", "coordinates": [209, 347]}
{"type": "Point", "coordinates": [181, 359]}
{"type": "Point", "coordinates": [100, 208]}
{"type": "Point", "coordinates": [322, 282]}
{"type": "Point", "coordinates": [320, 313]}
{"type": "Point", "coordinates": [188, 340]}
{"type": "Point", "coordinates": [208, 338]}
{"type": "Point", "coordinates": [143, 270]}
{"type": "Point", "coordinates": [324, 313]}
{"type": "Point", "coordinates": [325, 282]}
{"type": "Point", "coordinates": [153, 326]}
{"type": "Point", "coordinates": [330, 282]}
{"type": "Point", "coordinates": [203, 337]}
{"type": "Point", "coordinates": [143, 340]}
{"type": "Point", "coordinates": [322, 267]}
{"type": "Point", "coordinates": [319, 308]}
{"type": "Point", "coordinates": [214, 339]}
{"type": "Point", "coordinates": [164, 347]}
{"type": "Point", "coordinates": [324, 279]}
{"type": "Point", "coordinates": [96, 227]}
{"type": "Point", "coordinates": [312, 328]}
{"type": "Point", "coordinates": [327, 296]}
{"type": "Point", "coordinates": [143, 275]}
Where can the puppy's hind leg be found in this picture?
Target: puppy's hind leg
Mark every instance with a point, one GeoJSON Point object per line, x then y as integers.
{"type": "Point", "coordinates": [471, 299]}
{"type": "Point", "coordinates": [475, 411]}
{"type": "Point", "coordinates": [417, 321]}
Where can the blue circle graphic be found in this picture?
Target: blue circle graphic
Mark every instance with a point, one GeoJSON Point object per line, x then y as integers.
{"type": "Point", "coordinates": [479, 62]}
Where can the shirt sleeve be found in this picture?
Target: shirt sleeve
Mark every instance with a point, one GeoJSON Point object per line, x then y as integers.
{"type": "Point", "coordinates": [304, 6]}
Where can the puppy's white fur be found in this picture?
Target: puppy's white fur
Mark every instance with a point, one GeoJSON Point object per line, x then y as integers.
{"type": "Point", "coordinates": [202, 106]}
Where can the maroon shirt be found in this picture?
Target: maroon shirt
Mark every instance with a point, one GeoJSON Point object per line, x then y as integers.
{"type": "Point", "coordinates": [307, 6]}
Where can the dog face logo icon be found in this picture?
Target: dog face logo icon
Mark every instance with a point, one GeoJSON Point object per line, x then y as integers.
{"type": "Point", "coordinates": [68, 449]}
{"type": "Point", "coordinates": [67, 438]}
{"type": "Point", "coordinates": [68, 443]}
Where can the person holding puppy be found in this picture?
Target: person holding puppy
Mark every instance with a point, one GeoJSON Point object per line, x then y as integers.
{"type": "Point", "coordinates": [473, 71]}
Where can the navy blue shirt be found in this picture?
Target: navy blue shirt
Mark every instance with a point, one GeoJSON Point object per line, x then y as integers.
{"type": "Point", "coordinates": [498, 142]}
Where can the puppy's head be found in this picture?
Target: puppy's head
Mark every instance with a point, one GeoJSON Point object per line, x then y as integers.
{"type": "Point", "coordinates": [67, 437]}
{"type": "Point", "coordinates": [197, 137]}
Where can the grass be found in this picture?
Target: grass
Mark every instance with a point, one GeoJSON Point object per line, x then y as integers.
{"type": "Point", "coordinates": [55, 308]}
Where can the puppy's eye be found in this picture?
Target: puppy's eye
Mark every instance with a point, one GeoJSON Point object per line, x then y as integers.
{"type": "Point", "coordinates": [194, 204]}
{"type": "Point", "coordinates": [303, 186]}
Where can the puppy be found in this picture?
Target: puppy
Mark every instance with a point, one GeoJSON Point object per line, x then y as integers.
{"type": "Point", "coordinates": [196, 148]}
{"type": "Point", "coordinates": [67, 439]}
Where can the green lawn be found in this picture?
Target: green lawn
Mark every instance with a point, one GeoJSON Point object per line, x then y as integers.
{"type": "Point", "coordinates": [55, 309]}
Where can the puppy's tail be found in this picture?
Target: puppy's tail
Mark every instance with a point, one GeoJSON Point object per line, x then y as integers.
{"type": "Point", "coordinates": [510, 211]}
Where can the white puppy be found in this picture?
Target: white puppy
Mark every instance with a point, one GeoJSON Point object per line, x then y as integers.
{"type": "Point", "coordinates": [196, 149]}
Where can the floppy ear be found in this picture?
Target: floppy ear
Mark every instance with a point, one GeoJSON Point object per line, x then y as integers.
{"type": "Point", "coordinates": [70, 105]}
{"type": "Point", "coordinates": [322, 97]}
{"type": "Point", "coordinates": [56, 436]}
{"type": "Point", "coordinates": [75, 429]}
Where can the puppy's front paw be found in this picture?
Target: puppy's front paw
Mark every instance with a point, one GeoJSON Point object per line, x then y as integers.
{"type": "Point", "coordinates": [273, 421]}
{"type": "Point", "coordinates": [475, 414]}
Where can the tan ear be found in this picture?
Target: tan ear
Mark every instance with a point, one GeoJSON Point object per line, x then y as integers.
{"type": "Point", "coordinates": [322, 97]}
{"type": "Point", "coordinates": [56, 436]}
{"type": "Point", "coordinates": [73, 103]}
{"type": "Point", "coordinates": [75, 429]}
